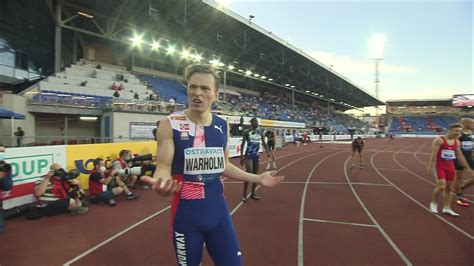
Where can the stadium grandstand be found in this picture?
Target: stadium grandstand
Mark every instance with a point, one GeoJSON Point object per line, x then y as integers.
{"type": "Point", "coordinates": [424, 117]}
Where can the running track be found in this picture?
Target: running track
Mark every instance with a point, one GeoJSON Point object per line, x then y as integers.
{"type": "Point", "coordinates": [323, 213]}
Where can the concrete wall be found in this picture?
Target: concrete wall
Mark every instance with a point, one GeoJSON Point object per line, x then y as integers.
{"type": "Point", "coordinates": [120, 122]}
{"type": "Point", "coordinates": [16, 104]}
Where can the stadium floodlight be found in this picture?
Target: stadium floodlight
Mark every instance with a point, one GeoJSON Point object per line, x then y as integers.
{"type": "Point", "coordinates": [248, 73]}
{"type": "Point", "coordinates": [155, 46]}
{"type": "Point", "coordinates": [377, 45]}
{"type": "Point", "coordinates": [170, 50]}
{"type": "Point", "coordinates": [85, 15]}
{"type": "Point", "coordinates": [292, 86]}
{"type": "Point", "coordinates": [216, 63]}
{"type": "Point", "coordinates": [263, 77]}
{"type": "Point", "coordinates": [256, 75]}
{"type": "Point", "coordinates": [241, 70]}
{"type": "Point", "coordinates": [231, 67]}
{"type": "Point", "coordinates": [88, 118]}
{"type": "Point", "coordinates": [196, 57]}
{"type": "Point", "coordinates": [185, 54]}
{"type": "Point", "coordinates": [270, 79]}
{"type": "Point", "coordinates": [287, 84]}
{"type": "Point", "coordinates": [137, 40]}
{"type": "Point", "coordinates": [307, 91]}
{"type": "Point", "coordinates": [322, 96]}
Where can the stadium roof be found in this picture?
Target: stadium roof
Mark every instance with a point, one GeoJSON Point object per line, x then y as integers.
{"type": "Point", "coordinates": [425, 102]}
{"type": "Point", "coordinates": [216, 33]}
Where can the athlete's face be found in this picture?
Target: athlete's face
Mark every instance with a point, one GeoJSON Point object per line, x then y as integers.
{"type": "Point", "coordinates": [455, 132]}
{"type": "Point", "coordinates": [201, 92]}
{"type": "Point", "coordinates": [254, 123]}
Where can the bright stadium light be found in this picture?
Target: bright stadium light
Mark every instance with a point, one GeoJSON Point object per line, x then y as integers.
{"type": "Point", "coordinates": [85, 15]}
{"type": "Point", "coordinates": [185, 54]}
{"type": "Point", "coordinates": [155, 46]}
{"type": "Point", "coordinates": [377, 45]}
{"type": "Point", "coordinates": [256, 75]}
{"type": "Point", "coordinates": [241, 70]}
{"type": "Point", "coordinates": [171, 49]}
{"type": "Point", "coordinates": [197, 57]}
{"type": "Point", "coordinates": [292, 86]}
{"type": "Point", "coordinates": [270, 79]}
{"type": "Point", "coordinates": [231, 67]}
{"type": "Point", "coordinates": [88, 118]}
{"type": "Point", "coordinates": [137, 40]}
{"type": "Point", "coordinates": [248, 72]}
{"type": "Point", "coordinates": [263, 77]}
{"type": "Point", "coordinates": [307, 91]}
{"type": "Point", "coordinates": [287, 84]}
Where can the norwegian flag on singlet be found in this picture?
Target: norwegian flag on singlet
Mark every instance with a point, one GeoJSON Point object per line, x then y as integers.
{"type": "Point", "coordinates": [192, 190]}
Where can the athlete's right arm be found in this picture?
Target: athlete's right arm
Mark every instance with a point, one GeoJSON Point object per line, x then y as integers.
{"type": "Point", "coordinates": [162, 182]}
{"type": "Point", "coordinates": [434, 150]}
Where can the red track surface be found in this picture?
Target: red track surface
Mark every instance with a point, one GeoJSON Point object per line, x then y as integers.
{"type": "Point", "coordinates": [324, 213]}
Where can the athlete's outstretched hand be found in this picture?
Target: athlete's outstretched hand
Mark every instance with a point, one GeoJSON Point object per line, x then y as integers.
{"type": "Point", "coordinates": [270, 179]}
{"type": "Point", "coordinates": [163, 186]}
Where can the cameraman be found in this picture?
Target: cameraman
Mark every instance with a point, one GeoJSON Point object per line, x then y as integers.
{"type": "Point", "coordinates": [122, 163]}
{"type": "Point", "coordinates": [6, 182]}
{"type": "Point", "coordinates": [100, 185]}
{"type": "Point", "coordinates": [53, 196]}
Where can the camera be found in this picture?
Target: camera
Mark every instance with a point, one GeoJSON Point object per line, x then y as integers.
{"type": "Point", "coordinates": [130, 171]}
{"type": "Point", "coordinates": [65, 176]}
{"type": "Point", "coordinates": [141, 158]}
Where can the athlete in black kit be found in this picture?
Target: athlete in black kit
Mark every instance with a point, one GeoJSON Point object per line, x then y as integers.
{"type": "Point", "coordinates": [461, 183]}
{"type": "Point", "coordinates": [271, 148]}
{"type": "Point", "coordinates": [357, 146]}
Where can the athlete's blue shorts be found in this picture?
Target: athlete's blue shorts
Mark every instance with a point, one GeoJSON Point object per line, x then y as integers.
{"type": "Point", "coordinates": [204, 221]}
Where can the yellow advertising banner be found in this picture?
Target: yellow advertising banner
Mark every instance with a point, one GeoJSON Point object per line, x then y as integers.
{"type": "Point", "coordinates": [81, 157]}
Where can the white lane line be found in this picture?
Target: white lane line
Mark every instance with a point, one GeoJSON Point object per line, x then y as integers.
{"type": "Point", "coordinates": [385, 235]}
{"type": "Point", "coordinates": [297, 160]}
{"type": "Point", "coordinates": [303, 198]}
{"type": "Point", "coordinates": [391, 169]}
{"type": "Point", "coordinates": [320, 183]}
{"type": "Point", "coordinates": [418, 203]}
{"type": "Point", "coordinates": [416, 157]}
{"type": "Point", "coordinates": [85, 253]}
{"type": "Point", "coordinates": [338, 222]}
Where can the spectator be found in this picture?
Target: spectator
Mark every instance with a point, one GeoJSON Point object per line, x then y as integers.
{"type": "Point", "coordinates": [99, 66]}
{"type": "Point", "coordinates": [156, 129]}
{"type": "Point", "coordinates": [94, 74]}
{"type": "Point", "coordinates": [115, 87]}
{"type": "Point", "coordinates": [19, 136]}
{"type": "Point", "coordinates": [121, 87]}
{"type": "Point", "coordinates": [104, 185]}
{"type": "Point", "coordinates": [122, 163]}
{"type": "Point", "coordinates": [53, 196]}
{"type": "Point", "coordinates": [84, 83]}
{"type": "Point", "coordinates": [116, 94]}
{"type": "Point", "coordinates": [6, 182]}
{"type": "Point", "coordinates": [136, 96]}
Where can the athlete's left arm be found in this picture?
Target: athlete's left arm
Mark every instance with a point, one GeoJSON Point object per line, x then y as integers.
{"type": "Point", "coordinates": [461, 158]}
{"type": "Point", "coordinates": [267, 179]}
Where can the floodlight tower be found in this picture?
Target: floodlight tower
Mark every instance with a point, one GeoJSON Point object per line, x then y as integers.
{"type": "Point", "coordinates": [377, 49]}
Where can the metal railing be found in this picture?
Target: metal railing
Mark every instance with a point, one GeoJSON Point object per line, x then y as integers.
{"type": "Point", "coordinates": [30, 141]}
